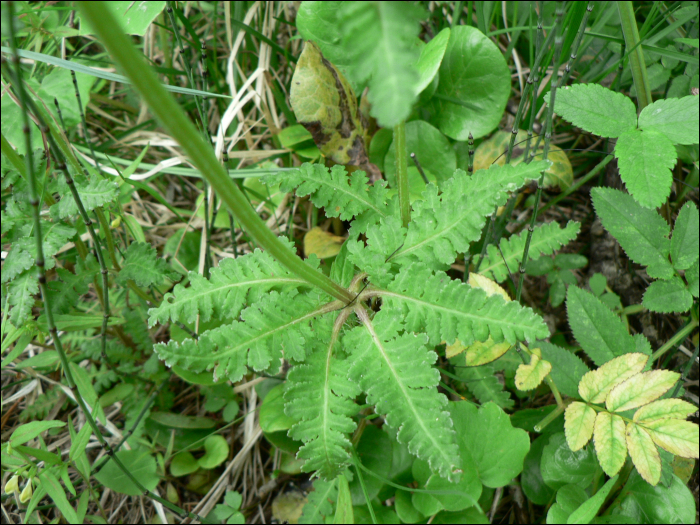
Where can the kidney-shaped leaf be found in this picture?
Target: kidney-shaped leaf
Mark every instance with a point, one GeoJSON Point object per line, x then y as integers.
{"type": "Point", "coordinates": [216, 449]}
{"type": "Point", "coordinates": [561, 466]}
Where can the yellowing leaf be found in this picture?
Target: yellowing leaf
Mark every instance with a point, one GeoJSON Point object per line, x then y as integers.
{"type": "Point", "coordinates": [609, 438]}
{"type": "Point", "coordinates": [530, 376]}
{"type": "Point", "coordinates": [595, 385]}
{"type": "Point", "coordinates": [484, 352]}
{"type": "Point", "coordinates": [326, 105]}
{"type": "Point", "coordinates": [454, 349]}
{"type": "Point", "coordinates": [579, 419]}
{"type": "Point", "coordinates": [560, 173]}
{"type": "Point", "coordinates": [490, 287]}
{"type": "Point", "coordinates": [675, 435]}
{"type": "Point", "coordinates": [644, 454]}
{"type": "Point", "coordinates": [683, 468]}
{"type": "Point", "coordinates": [640, 390]}
{"type": "Point", "coordinates": [322, 243]}
{"type": "Point", "coordinates": [664, 409]}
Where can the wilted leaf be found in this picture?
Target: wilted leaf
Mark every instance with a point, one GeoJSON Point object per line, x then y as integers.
{"type": "Point", "coordinates": [640, 390]}
{"type": "Point", "coordinates": [321, 243]}
{"type": "Point", "coordinates": [579, 420]}
{"type": "Point", "coordinates": [609, 438]}
{"type": "Point", "coordinates": [644, 454]}
{"type": "Point", "coordinates": [528, 377]}
{"type": "Point", "coordinates": [595, 385]}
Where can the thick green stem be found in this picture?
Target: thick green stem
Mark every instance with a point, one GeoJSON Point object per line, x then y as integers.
{"type": "Point", "coordinates": [636, 56]}
{"type": "Point", "coordinates": [402, 172]}
{"type": "Point", "coordinates": [173, 118]}
{"type": "Point", "coordinates": [676, 339]}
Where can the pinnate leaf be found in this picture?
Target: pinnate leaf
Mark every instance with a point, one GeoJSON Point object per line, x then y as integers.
{"type": "Point", "coordinates": [685, 243]}
{"type": "Point", "coordinates": [640, 390]}
{"type": "Point", "coordinates": [644, 454]}
{"type": "Point", "coordinates": [641, 232]}
{"type": "Point", "coordinates": [664, 409]}
{"type": "Point", "coordinates": [396, 373]}
{"type": "Point", "coordinates": [21, 296]}
{"type": "Point", "coordinates": [546, 238]}
{"type": "Point", "coordinates": [143, 266]}
{"type": "Point", "coordinates": [599, 331]}
{"type": "Point", "coordinates": [17, 261]}
{"type": "Point", "coordinates": [483, 383]}
{"type": "Point", "coordinates": [596, 109]}
{"type": "Point", "coordinates": [675, 435]}
{"type": "Point", "coordinates": [579, 421]}
{"type": "Point", "coordinates": [668, 296]}
{"type": "Point", "coordinates": [645, 160]}
{"type": "Point", "coordinates": [610, 445]}
{"type": "Point", "coordinates": [597, 384]}
{"type": "Point", "coordinates": [676, 118]}
{"type": "Point", "coordinates": [94, 194]}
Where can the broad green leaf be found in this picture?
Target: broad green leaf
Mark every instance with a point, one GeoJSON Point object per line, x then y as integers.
{"type": "Point", "coordinates": [641, 232]}
{"type": "Point", "coordinates": [58, 84]}
{"type": "Point", "coordinates": [343, 512]}
{"type": "Point", "coordinates": [561, 466]}
{"type": "Point", "coordinates": [668, 296]}
{"type": "Point", "coordinates": [318, 21]}
{"type": "Point", "coordinates": [432, 149]}
{"type": "Point", "coordinates": [579, 421]}
{"type": "Point", "coordinates": [404, 508]}
{"type": "Point", "coordinates": [57, 493]}
{"type": "Point", "coordinates": [597, 384]}
{"type": "Point", "coordinates": [664, 409]}
{"type": "Point", "coordinates": [567, 368]}
{"type": "Point", "coordinates": [645, 160]}
{"type": "Point", "coordinates": [640, 390]}
{"type": "Point", "coordinates": [529, 377]}
{"type": "Point", "coordinates": [692, 275]}
{"type": "Point", "coordinates": [589, 508]}
{"type": "Point", "coordinates": [644, 453]}
{"type": "Point", "coordinates": [600, 332]}
{"type": "Point", "coordinates": [487, 436]}
{"type": "Point", "coordinates": [474, 85]}
{"type": "Point", "coordinates": [134, 18]}
{"type": "Point", "coordinates": [374, 451]}
{"type": "Point", "coordinates": [139, 463]}
{"type": "Point", "coordinates": [325, 104]}
{"type": "Point", "coordinates": [675, 435]}
{"type": "Point", "coordinates": [430, 59]}
{"type": "Point", "coordinates": [216, 451]}
{"type": "Point", "coordinates": [469, 486]}
{"type": "Point", "coordinates": [172, 420]}
{"type": "Point", "coordinates": [29, 431]}
{"type": "Point", "coordinates": [685, 243]}
{"type": "Point", "coordinates": [379, 38]}
{"type": "Point", "coordinates": [645, 503]}
{"type": "Point", "coordinates": [183, 464]}
{"type": "Point", "coordinates": [569, 498]}
{"type": "Point", "coordinates": [676, 118]}
{"type": "Point", "coordinates": [17, 261]}
{"type": "Point", "coordinates": [596, 109]}
{"type": "Point", "coordinates": [531, 480]}
{"type": "Point", "coordinates": [609, 439]}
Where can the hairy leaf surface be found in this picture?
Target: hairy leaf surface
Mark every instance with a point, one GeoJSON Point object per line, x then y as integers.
{"type": "Point", "coordinates": [143, 265]}
{"type": "Point", "coordinates": [676, 118]}
{"type": "Point", "coordinates": [95, 193]}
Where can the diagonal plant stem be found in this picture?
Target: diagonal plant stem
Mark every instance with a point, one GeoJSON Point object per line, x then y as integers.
{"type": "Point", "coordinates": [171, 115]}
{"type": "Point", "coordinates": [558, 40]}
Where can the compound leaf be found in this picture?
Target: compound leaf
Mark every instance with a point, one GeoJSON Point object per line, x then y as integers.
{"type": "Point", "coordinates": [668, 296]}
{"type": "Point", "coordinates": [675, 435]}
{"type": "Point", "coordinates": [21, 296]}
{"type": "Point", "coordinates": [529, 377]}
{"type": "Point", "coordinates": [640, 390]}
{"type": "Point", "coordinates": [610, 445]}
{"type": "Point", "coordinates": [597, 384]}
{"type": "Point", "coordinates": [664, 409]}
{"type": "Point", "coordinates": [579, 421]}
{"type": "Point", "coordinates": [641, 232]}
{"type": "Point", "coordinates": [645, 160]}
{"type": "Point", "coordinates": [644, 453]}
{"type": "Point", "coordinates": [676, 118]}
{"type": "Point", "coordinates": [483, 383]}
{"type": "Point", "coordinates": [685, 243]}
{"type": "Point", "coordinates": [596, 109]}
{"type": "Point", "coordinates": [325, 493]}
{"type": "Point", "coordinates": [94, 194]}
{"type": "Point", "coordinates": [143, 266]}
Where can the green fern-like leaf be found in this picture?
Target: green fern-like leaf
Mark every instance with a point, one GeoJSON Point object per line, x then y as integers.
{"type": "Point", "coordinates": [92, 195]}
{"type": "Point", "coordinates": [16, 262]}
{"type": "Point", "coordinates": [65, 293]}
{"type": "Point", "coordinates": [324, 424]}
{"type": "Point", "coordinates": [381, 37]}
{"type": "Point", "coordinates": [21, 296]}
{"type": "Point", "coordinates": [341, 195]}
{"type": "Point", "coordinates": [446, 309]}
{"type": "Point", "coordinates": [144, 267]}
{"type": "Point", "coordinates": [42, 405]}
{"type": "Point", "coordinates": [229, 287]}
{"type": "Point", "coordinates": [277, 325]}
{"type": "Point", "coordinates": [443, 226]}
{"type": "Point", "coordinates": [395, 371]}
{"type": "Point", "coordinates": [546, 238]}
{"type": "Point", "coordinates": [383, 239]}
{"type": "Point", "coordinates": [321, 502]}
{"type": "Point", "coordinates": [23, 253]}
{"type": "Point", "coordinates": [481, 381]}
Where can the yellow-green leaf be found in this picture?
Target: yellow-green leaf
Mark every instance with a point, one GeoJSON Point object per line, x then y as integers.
{"type": "Point", "coordinates": [528, 377]}
{"type": "Point", "coordinates": [675, 435]}
{"type": "Point", "coordinates": [579, 420]}
{"type": "Point", "coordinates": [489, 286]}
{"type": "Point", "coordinates": [483, 352]}
{"type": "Point", "coordinates": [640, 390]}
{"type": "Point", "coordinates": [326, 105]}
{"type": "Point", "coordinates": [609, 438]}
{"type": "Point", "coordinates": [595, 385]}
{"type": "Point", "coordinates": [321, 243]}
{"type": "Point", "coordinates": [644, 454]}
{"type": "Point", "coordinates": [664, 409]}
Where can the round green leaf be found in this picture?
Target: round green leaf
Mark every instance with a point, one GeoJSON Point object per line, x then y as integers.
{"type": "Point", "coordinates": [432, 150]}
{"type": "Point", "coordinates": [374, 451]}
{"type": "Point", "coordinates": [183, 464]}
{"type": "Point", "coordinates": [272, 417]}
{"type": "Point", "coordinates": [560, 466]}
{"type": "Point", "coordinates": [404, 508]}
{"type": "Point", "coordinates": [139, 463]}
{"type": "Point", "coordinates": [656, 504]}
{"type": "Point", "coordinates": [318, 21]}
{"type": "Point", "coordinates": [474, 85]}
{"type": "Point", "coordinates": [430, 59]}
{"type": "Point", "coordinates": [216, 452]}
{"type": "Point", "coordinates": [531, 480]}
